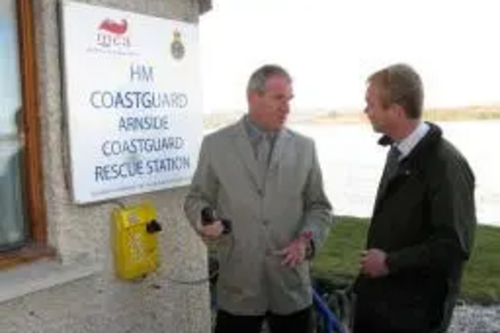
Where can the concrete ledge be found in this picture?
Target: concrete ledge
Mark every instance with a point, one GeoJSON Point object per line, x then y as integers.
{"type": "Point", "coordinates": [26, 279]}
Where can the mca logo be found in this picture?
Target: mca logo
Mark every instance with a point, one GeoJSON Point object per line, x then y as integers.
{"type": "Point", "coordinates": [113, 34]}
{"type": "Point", "coordinates": [117, 28]}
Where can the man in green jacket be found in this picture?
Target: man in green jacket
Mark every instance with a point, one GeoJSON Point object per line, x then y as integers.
{"type": "Point", "coordinates": [423, 223]}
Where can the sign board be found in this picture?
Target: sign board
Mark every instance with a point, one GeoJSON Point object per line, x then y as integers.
{"type": "Point", "coordinates": [133, 100]}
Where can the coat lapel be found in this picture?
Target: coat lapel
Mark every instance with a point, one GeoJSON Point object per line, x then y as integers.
{"type": "Point", "coordinates": [280, 146]}
{"type": "Point", "coordinates": [382, 188]}
{"type": "Point", "coordinates": [245, 151]}
{"type": "Point", "coordinates": [384, 181]}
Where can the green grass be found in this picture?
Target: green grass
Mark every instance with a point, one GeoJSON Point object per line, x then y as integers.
{"type": "Point", "coordinates": [338, 259]}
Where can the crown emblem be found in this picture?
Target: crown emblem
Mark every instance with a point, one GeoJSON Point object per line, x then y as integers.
{"type": "Point", "coordinates": [177, 47]}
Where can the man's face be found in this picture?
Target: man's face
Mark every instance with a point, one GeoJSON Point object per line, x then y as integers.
{"type": "Point", "coordinates": [381, 118]}
{"type": "Point", "coordinates": [270, 109]}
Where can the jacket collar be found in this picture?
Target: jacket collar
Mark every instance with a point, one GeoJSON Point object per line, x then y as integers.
{"type": "Point", "coordinates": [430, 139]}
{"type": "Point", "coordinates": [245, 150]}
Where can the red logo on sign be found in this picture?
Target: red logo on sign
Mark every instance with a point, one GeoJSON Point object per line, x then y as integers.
{"type": "Point", "coordinates": [113, 34]}
{"type": "Point", "coordinates": [117, 28]}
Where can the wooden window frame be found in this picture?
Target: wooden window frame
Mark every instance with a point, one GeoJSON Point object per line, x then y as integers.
{"type": "Point", "coordinates": [37, 247]}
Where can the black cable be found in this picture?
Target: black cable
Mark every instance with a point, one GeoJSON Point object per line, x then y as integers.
{"type": "Point", "coordinates": [207, 219]}
{"type": "Point", "coordinates": [214, 273]}
{"type": "Point", "coordinates": [209, 216]}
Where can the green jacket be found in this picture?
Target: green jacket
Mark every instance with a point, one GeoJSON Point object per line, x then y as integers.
{"type": "Point", "coordinates": [424, 220]}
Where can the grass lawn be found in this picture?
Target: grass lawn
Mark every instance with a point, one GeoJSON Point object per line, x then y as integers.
{"type": "Point", "coordinates": [338, 259]}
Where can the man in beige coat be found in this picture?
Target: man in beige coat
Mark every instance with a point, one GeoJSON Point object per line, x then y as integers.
{"type": "Point", "coordinates": [266, 179]}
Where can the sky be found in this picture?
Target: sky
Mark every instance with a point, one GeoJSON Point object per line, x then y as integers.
{"type": "Point", "coordinates": [331, 46]}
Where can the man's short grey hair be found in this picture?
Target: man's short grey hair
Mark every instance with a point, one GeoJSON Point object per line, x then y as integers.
{"type": "Point", "coordinates": [257, 81]}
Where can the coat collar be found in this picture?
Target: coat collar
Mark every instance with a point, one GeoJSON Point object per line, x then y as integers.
{"type": "Point", "coordinates": [430, 139]}
{"type": "Point", "coordinates": [245, 150]}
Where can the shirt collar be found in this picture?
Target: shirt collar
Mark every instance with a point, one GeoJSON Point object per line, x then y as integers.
{"type": "Point", "coordinates": [406, 145]}
{"type": "Point", "coordinates": [254, 131]}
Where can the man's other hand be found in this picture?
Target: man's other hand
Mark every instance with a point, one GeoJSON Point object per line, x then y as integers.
{"type": "Point", "coordinates": [296, 252]}
{"type": "Point", "coordinates": [373, 263]}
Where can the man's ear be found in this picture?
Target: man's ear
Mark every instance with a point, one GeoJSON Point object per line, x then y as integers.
{"type": "Point", "coordinates": [399, 110]}
{"type": "Point", "coordinates": [254, 97]}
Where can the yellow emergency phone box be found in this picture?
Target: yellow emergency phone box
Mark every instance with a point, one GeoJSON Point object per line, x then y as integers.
{"type": "Point", "coordinates": [134, 235]}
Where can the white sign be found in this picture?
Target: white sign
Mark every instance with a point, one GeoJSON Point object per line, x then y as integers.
{"type": "Point", "coordinates": [133, 100]}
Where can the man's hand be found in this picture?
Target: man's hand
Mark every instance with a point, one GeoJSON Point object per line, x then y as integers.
{"type": "Point", "coordinates": [212, 231]}
{"type": "Point", "coordinates": [373, 263]}
{"type": "Point", "coordinates": [295, 253]}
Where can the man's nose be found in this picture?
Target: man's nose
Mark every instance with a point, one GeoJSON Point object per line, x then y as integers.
{"type": "Point", "coordinates": [285, 107]}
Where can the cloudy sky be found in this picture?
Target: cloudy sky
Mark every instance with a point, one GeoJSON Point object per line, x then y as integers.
{"type": "Point", "coordinates": [330, 46]}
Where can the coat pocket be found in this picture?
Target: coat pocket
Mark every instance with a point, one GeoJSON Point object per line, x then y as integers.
{"type": "Point", "coordinates": [289, 277]}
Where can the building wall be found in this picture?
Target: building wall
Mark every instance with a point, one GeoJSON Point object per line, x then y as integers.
{"type": "Point", "coordinates": [78, 291]}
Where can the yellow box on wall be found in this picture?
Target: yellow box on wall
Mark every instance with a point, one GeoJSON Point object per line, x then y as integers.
{"type": "Point", "coordinates": [134, 235]}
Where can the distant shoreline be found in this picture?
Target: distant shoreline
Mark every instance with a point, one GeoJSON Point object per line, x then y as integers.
{"type": "Point", "coordinates": [479, 113]}
{"type": "Point", "coordinates": [448, 114]}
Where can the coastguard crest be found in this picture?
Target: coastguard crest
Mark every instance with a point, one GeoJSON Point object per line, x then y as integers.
{"type": "Point", "coordinates": [176, 47]}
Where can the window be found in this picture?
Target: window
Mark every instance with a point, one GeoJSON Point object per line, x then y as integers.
{"type": "Point", "coordinates": [23, 235]}
{"type": "Point", "coordinates": [13, 228]}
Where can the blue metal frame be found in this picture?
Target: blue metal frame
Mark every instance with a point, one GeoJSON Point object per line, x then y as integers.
{"type": "Point", "coordinates": [332, 324]}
